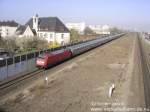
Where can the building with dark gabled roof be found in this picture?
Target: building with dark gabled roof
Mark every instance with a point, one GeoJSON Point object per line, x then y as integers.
{"type": "Point", "coordinates": [50, 28]}
{"type": "Point", "coordinates": [8, 23]}
{"type": "Point", "coordinates": [7, 28]}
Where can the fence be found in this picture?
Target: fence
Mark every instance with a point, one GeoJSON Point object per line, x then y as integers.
{"type": "Point", "coordinates": [17, 65]}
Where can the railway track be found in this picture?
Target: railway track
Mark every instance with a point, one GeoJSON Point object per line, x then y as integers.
{"type": "Point", "coordinates": [146, 71]}
{"type": "Point", "coordinates": [7, 85]}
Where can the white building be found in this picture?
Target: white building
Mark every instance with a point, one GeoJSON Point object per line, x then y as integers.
{"type": "Point", "coordinates": [49, 28]}
{"type": "Point", "coordinates": [8, 28]}
{"type": "Point", "coordinates": [76, 26]}
{"type": "Point", "coordinates": [100, 29]}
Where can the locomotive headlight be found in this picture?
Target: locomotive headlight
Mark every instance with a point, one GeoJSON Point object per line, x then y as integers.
{"type": "Point", "coordinates": [42, 62]}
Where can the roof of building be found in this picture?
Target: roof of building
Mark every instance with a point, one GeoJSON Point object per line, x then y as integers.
{"type": "Point", "coordinates": [8, 23]}
{"type": "Point", "coordinates": [21, 29]}
{"type": "Point", "coordinates": [49, 24]}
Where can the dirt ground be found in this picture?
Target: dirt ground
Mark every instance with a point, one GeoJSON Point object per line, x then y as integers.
{"type": "Point", "coordinates": [83, 85]}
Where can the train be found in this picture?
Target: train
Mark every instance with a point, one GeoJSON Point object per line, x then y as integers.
{"type": "Point", "coordinates": [49, 59]}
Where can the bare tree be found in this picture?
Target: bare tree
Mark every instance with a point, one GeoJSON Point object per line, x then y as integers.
{"type": "Point", "coordinates": [8, 43]}
{"type": "Point", "coordinates": [74, 35]}
{"type": "Point", "coordinates": [88, 31]}
{"type": "Point", "coordinates": [31, 43]}
{"type": "Point", "coordinates": [115, 30]}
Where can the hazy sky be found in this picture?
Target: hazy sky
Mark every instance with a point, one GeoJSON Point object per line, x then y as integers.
{"type": "Point", "coordinates": [132, 14]}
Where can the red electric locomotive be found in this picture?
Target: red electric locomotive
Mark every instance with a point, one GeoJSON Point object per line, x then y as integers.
{"type": "Point", "coordinates": [46, 60]}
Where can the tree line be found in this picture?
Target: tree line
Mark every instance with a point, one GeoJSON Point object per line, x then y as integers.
{"type": "Point", "coordinates": [25, 44]}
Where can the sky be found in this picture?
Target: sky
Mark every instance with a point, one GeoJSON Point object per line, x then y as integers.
{"type": "Point", "coordinates": [128, 14]}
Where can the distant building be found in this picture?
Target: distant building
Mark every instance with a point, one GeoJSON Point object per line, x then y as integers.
{"type": "Point", "coordinates": [7, 28]}
{"type": "Point", "coordinates": [49, 28]}
{"type": "Point", "coordinates": [100, 29]}
{"type": "Point", "coordinates": [76, 26]}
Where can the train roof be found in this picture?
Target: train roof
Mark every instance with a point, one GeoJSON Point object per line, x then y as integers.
{"type": "Point", "coordinates": [57, 51]}
{"type": "Point", "coordinates": [86, 43]}
{"type": "Point", "coordinates": [52, 53]}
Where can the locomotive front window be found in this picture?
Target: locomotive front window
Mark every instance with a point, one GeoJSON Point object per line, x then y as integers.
{"type": "Point", "coordinates": [42, 56]}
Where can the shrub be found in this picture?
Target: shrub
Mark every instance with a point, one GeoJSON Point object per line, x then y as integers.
{"type": "Point", "coordinates": [54, 45]}
{"type": "Point", "coordinates": [74, 36]}
{"type": "Point", "coordinates": [31, 43]}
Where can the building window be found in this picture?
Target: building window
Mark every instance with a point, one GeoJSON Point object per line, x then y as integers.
{"type": "Point", "coordinates": [45, 35]}
{"type": "Point", "coordinates": [62, 43]}
{"type": "Point", "coordinates": [35, 20]}
{"type": "Point", "coordinates": [38, 34]}
{"type": "Point", "coordinates": [6, 31]}
{"type": "Point", "coordinates": [51, 36]}
{"type": "Point", "coordinates": [41, 35]}
{"type": "Point", "coordinates": [62, 36]}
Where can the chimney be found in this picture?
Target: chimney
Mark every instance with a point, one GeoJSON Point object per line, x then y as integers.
{"type": "Point", "coordinates": [35, 22]}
